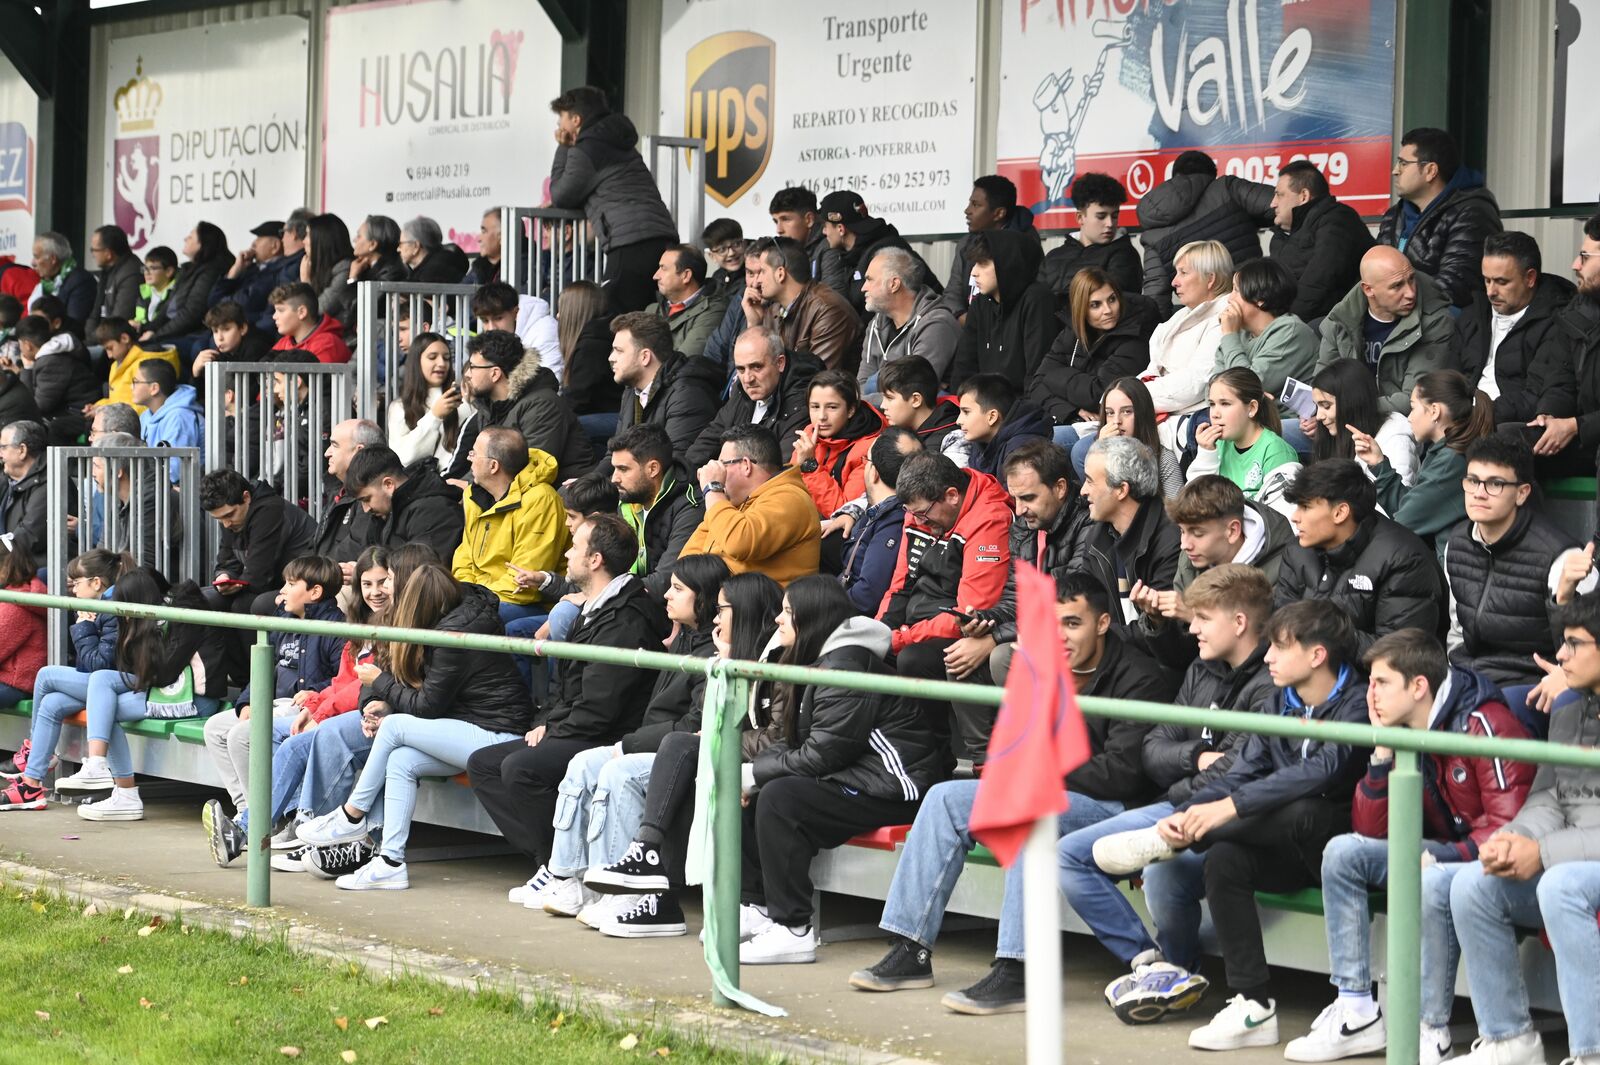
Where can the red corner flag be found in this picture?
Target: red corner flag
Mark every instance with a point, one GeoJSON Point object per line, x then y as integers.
{"type": "Point", "coordinates": [1039, 736]}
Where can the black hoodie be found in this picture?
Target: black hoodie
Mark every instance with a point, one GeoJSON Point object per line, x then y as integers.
{"type": "Point", "coordinates": [275, 531]}
{"type": "Point", "coordinates": [1118, 260]}
{"type": "Point", "coordinates": [1074, 376]}
{"type": "Point", "coordinates": [1008, 335]}
{"type": "Point", "coordinates": [675, 703]}
{"type": "Point", "coordinates": [1172, 752]}
{"type": "Point", "coordinates": [603, 175]}
{"type": "Point", "coordinates": [425, 510]}
{"type": "Point", "coordinates": [1023, 425]}
{"type": "Point", "coordinates": [602, 703]}
{"type": "Point", "coordinates": [482, 688]}
{"type": "Point", "coordinates": [683, 399]}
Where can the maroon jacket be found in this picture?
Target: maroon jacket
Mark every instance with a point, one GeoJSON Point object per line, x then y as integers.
{"type": "Point", "coordinates": [1464, 800]}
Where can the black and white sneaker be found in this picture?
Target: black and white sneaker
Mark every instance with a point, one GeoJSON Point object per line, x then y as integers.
{"type": "Point", "coordinates": [289, 861]}
{"type": "Point", "coordinates": [225, 838]}
{"type": "Point", "coordinates": [907, 965]}
{"type": "Point", "coordinates": [337, 859]}
{"type": "Point", "coordinates": [639, 871]}
{"type": "Point", "coordinates": [654, 915]}
{"type": "Point", "coordinates": [1001, 991]}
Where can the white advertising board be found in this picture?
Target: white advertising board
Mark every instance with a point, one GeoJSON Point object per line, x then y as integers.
{"type": "Point", "coordinates": [832, 94]}
{"type": "Point", "coordinates": [438, 108]}
{"type": "Point", "coordinates": [19, 147]}
{"type": "Point", "coordinates": [206, 124]}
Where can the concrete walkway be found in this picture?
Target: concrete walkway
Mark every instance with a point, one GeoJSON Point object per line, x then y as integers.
{"type": "Point", "coordinates": [459, 909]}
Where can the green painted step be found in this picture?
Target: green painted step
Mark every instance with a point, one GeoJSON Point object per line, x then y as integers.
{"type": "Point", "coordinates": [156, 727]}
{"type": "Point", "coordinates": [190, 729]}
{"type": "Point", "coordinates": [22, 709]}
{"type": "Point", "coordinates": [1581, 488]}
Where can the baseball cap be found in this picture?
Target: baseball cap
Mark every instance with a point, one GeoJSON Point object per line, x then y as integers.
{"type": "Point", "coordinates": [846, 208]}
{"type": "Point", "coordinates": [268, 229]}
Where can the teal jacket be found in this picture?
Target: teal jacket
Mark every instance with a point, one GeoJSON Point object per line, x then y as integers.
{"type": "Point", "coordinates": [1434, 504]}
{"type": "Point", "coordinates": [1286, 348]}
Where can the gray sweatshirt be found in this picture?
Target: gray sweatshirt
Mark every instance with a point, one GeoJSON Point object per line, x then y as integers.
{"type": "Point", "coordinates": [1562, 813]}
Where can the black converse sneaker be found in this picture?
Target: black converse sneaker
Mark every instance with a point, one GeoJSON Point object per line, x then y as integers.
{"type": "Point", "coordinates": [1001, 991]}
{"type": "Point", "coordinates": [640, 870]}
{"type": "Point", "coordinates": [907, 965]}
{"type": "Point", "coordinates": [337, 859]}
{"type": "Point", "coordinates": [655, 914]}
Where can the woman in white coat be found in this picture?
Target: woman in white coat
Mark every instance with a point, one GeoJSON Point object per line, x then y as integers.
{"type": "Point", "coordinates": [1183, 349]}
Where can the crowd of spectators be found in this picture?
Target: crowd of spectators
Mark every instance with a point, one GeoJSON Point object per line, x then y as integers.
{"type": "Point", "coordinates": [1293, 476]}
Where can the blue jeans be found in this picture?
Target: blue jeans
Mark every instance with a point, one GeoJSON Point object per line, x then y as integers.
{"type": "Point", "coordinates": [61, 691]}
{"type": "Point", "coordinates": [600, 428]}
{"type": "Point", "coordinates": [1173, 891]}
{"type": "Point", "coordinates": [562, 617]}
{"type": "Point", "coordinates": [407, 749]}
{"type": "Point", "coordinates": [1488, 909]}
{"type": "Point", "coordinates": [513, 612]}
{"type": "Point", "coordinates": [1080, 452]}
{"type": "Point", "coordinates": [1352, 866]}
{"type": "Point", "coordinates": [335, 752]}
{"type": "Point", "coordinates": [600, 805]}
{"type": "Point", "coordinates": [1093, 894]}
{"type": "Point", "coordinates": [1065, 436]}
{"type": "Point", "coordinates": [935, 853]}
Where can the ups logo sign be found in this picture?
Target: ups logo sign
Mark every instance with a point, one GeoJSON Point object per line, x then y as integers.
{"type": "Point", "coordinates": [729, 99]}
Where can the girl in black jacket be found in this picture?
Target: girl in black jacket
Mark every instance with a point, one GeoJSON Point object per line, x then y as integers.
{"type": "Point", "coordinates": [433, 707]}
{"type": "Point", "coordinates": [1107, 336]}
{"type": "Point", "coordinates": [849, 762]}
{"type": "Point", "coordinates": [745, 618]}
{"type": "Point", "coordinates": [183, 311]}
{"type": "Point", "coordinates": [602, 795]}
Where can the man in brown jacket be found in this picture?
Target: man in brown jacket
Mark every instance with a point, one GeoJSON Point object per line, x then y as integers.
{"type": "Point", "coordinates": [810, 315]}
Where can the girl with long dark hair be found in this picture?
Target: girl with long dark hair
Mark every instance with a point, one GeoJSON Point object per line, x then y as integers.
{"type": "Point", "coordinates": [326, 267]}
{"type": "Point", "coordinates": [183, 311]}
{"type": "Point", "coordinates": [425, 419]}
{"type": "Point", "coordinates": [1346, 398]}
{"type": "Point", "coordinates": [1126, 409]}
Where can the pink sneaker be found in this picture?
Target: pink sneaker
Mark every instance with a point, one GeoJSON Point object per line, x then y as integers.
{"type": "Point", "coordinates": [19, 796]}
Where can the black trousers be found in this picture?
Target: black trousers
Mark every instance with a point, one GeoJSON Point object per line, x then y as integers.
{"type": "Point", "coordinates": [517, 786]}
{"type": "Point", "coordinates": [791, 820]}
{"type": "Point", "coordinates": [1276, 851]}
{"type": "Point", "coordinates": [669, 799]}
{"type": "Point", "coordinates": [236, 643]}
{"type": "Point", "coordinates": [1574, 460]}
{"type": "Point", "coordinates": [972, 723]}
{"type": "Point", "coordinates": [630, 274]}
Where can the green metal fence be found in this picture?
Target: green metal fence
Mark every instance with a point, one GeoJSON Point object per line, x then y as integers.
{"type": "Point", "coordinates": [1404, 890]}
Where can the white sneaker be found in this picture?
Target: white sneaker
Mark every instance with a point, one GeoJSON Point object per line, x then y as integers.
{"type": "Point", "coordinates": [1433, 1047]}
{"type": "Point", "coordinates": [780, 945]}
{"type": "Point", "coordinates": [1338, 1033]}
{"type": "Point", "coordinates": [1525, 1049]}
{"type": "Point", "coordinates": [123, 804]}
{"type": "Point", "coordinates": [1241, 1023]}
{"type": "Point", "coordinates": [1582, 1059]}
{"type": "Point", "coordinates": [289, 861]}
{"type": "Point", "coordinates": [753, 920]}
{"type": "Point", "coordinates": [535, 884]}
{"type": "Point", "coordinates": [568, 897]}
{"type": "Point", "coordinates": [1125, 853]}
{"type": "Point", "coordinates": [332, 827]}
{"type": "Point", "coordinates": [94, 776]}
{"type": "Point", "coordinates": [605, 909]}
{"type": "Point", "coordinates": [376, 875]}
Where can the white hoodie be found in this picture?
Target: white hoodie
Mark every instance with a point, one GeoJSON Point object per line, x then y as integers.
{"type": "Point", "coordinates": [536, 327]}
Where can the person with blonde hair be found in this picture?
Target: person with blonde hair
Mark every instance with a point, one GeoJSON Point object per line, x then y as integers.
{"type": "Point", "coordinates": [1183, 349]}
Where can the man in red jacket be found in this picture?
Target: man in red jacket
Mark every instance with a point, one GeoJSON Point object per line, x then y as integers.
{"type": "Point", "coordinates": [953, 560]}
{"type": "Point", "coordinates": [1465, 801]}
{"type": "Point", "coordinates": [303, 327]}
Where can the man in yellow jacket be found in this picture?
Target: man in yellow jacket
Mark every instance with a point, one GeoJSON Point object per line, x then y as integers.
{"type": "Point", "coordinates": [515, 523]}
{"type": "Point", "coordinates": [759, 516]}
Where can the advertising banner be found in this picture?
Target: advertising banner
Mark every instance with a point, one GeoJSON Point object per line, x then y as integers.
{"type": "Point", "coordinates": [206, 124]}
{"type": "Point", "coordinates": [19, 130]}
{"type": "Point", "coordinates": [438, 108]}
{"type": "Point", "coordinates": [1575, 173]}
{"type": "Point", "coordinates": [1123, 87]}
{"type": "Point", "coordinates": [831, 94]}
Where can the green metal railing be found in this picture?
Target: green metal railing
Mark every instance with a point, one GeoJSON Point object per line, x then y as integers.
{"type": "Point", "coordinates": [1404, 942]}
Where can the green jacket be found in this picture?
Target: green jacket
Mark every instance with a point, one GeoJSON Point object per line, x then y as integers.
{"type": "Point", "coordinates": [692, 327]}
{"type": "Point", "coordinates": [1286, 348]}
{"type": "Point", "coordinates": [1423, 341]}
{"type": "Point", "coordinates": [1434, 504]}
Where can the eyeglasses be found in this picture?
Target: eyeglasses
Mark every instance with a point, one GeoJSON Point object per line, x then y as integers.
{"type": "Point", "coordinates": [1585, 256]}
{"type": "Point", "coordinates": [1575, 643]}
{"type": "Point", "coordinates": [728, 248]}
{"type": "Point", "coordinates": [1492, 485]}
{"type": "Point", "coordinates": [478, 366]}
{"type": "Point", "coordinates": [1401, 162]}
{"type": "Point", "coordinates": [921, 515]}
{"type": "Point", "coordinates": [723, 607]}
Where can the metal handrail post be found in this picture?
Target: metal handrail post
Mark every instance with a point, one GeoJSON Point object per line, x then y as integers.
{"type": "Point", "coordinates": [258, 853]}
{"type": "Point", "coordinates": [1403, 942]}
{"type": "Point", "coordinates": [728, 842]}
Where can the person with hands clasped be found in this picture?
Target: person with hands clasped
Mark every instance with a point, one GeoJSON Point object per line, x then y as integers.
{"type": "Point", "coordinates": [426, 420]}
{"type": "Point", "coordinates": [1447, 415]}
{"type": "Point", "coordinates": [1540, 871]}
{"type": "Point", "coordinates": [1242, 442]}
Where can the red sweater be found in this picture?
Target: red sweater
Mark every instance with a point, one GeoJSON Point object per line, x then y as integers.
{"type": "Point", "coordinates": [23, 648]}
{"type": "Point", "coordinates": [344, 694]}
{"type": "Point", "coordinates": [326, 342]}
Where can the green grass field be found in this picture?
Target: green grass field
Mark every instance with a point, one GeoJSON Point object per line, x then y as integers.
{"type": "Point", "coordinates": [94, 990]}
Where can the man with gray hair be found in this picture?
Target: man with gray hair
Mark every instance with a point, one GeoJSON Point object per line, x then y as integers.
{"type": "Point", "coordinates": [427, 256]}
{"type": "Point", "coordinates": [114, 418]}
{"type": "Point", "coordinates": [1130, 543]}
{"type": "Point", "coordinates": [26, 507]}
{"type": "Point", "coordinates": [62, 276]}
{"type": "Point", "coordinates": [347, 529]}
{"type": "Point", "coordinates": [770, 388]}
{"type": "Point", "coordinates": [132, 524]}
{"type": "Point", "coordinates": [907, 318]}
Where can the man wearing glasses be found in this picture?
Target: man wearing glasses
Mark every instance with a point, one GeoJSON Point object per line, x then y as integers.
{"type": "Point", "coordinates": [1573, 420]}
{"type": "Point", "coordinates": [1500, 562]}
{"type": "Point", "coordinates": [508, 387]}
{"type": "Point", "coordinates": [1442, 214]}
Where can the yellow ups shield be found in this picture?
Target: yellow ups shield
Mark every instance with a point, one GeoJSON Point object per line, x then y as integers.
{"type": "Point", "coordinates": [729, 93]}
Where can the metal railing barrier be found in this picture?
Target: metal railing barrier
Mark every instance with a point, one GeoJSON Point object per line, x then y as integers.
{"type": "Point", "coordinates": [1404, 890]}
{"type": "Point", "coordinates": [155, 524]}
{"type": "Point", "coordinates": [443, 309]}
{"type": "Point", "coordinates": [279, 441]}
{"type": "Point", "coordinates": [544, 249]}
{"type": "Point", "coordinates": [686, 200]}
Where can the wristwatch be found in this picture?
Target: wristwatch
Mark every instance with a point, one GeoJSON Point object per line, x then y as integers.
{"type": "Point", "coordinates": [714, 486]}
{"type": "Point", "coordinates": [808, 466]}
